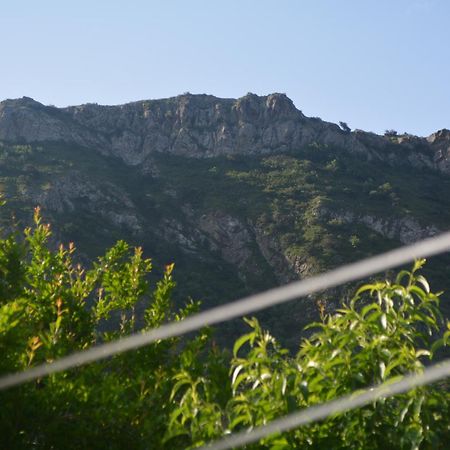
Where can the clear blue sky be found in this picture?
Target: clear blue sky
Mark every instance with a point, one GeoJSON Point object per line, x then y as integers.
{"type": "Point", "coordinates": [375, 64]}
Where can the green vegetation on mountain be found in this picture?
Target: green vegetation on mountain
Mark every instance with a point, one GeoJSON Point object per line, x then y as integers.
{"type": "Point", "coordinates": [233, 224]}
{"type": "Point", "coordinates": [181, 393]}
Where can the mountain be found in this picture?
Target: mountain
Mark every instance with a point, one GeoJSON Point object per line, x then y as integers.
{"type": "Point", "coordinates": [243, 194]}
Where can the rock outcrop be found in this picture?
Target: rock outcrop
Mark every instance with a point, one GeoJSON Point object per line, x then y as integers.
{"type": "Point", "coordinates": [440, 142]}
{"type": "Point", "coordinates": [75, 192]}
{"type": "Point", "coordinates": [404, 229]}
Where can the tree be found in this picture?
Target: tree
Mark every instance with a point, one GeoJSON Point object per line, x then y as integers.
{"type": "Point", "coordinates": [390, 133]}
{"type": "Point", "coordinates": [345, 127]}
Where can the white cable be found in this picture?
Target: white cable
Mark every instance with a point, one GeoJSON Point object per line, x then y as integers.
{"type": "Point", "coordinates": [340, 405]}
{"type": "Point", "coordinates": [250, 304]}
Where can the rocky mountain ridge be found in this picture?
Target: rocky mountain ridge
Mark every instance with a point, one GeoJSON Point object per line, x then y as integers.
{"type": "Point", "coordinates": [204, 126]}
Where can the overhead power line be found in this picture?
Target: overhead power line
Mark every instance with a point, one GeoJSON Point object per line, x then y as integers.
{"type": "Point", "coordinates": [247, 305]}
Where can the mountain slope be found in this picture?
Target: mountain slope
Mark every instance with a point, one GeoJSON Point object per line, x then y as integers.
{"type": "Point", "coordinates": [242, 194]}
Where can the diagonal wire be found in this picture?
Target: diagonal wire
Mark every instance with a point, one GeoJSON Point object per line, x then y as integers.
{"type": "Point", "coordinates": [344, 274]}
{"type": "Point", "coordinates": [340, 405]}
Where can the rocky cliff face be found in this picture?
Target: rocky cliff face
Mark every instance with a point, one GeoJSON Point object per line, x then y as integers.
{"type": "Point", "coordinates": [440, 142]}
{"type": "Point", "coordinates": [203, 126]}
{"type": "Point", "coordinates": [74, 190]}
{"type": "Point", "coordinates": [403, 229]}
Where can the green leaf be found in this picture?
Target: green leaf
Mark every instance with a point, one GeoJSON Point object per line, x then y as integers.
{"type": "Point", "coordinates": [422, 352]}
{"type": "Point", "coordinates": [241, 341]}
{"type": "Point", "coordinates": [370, 307]}
{"type": "Point", "coordinates": [238, 420]}
{"type": "Point", "coordinates": [422, 280]}
{"type": "Point", "coordinates": [439, 343]}
{"type": "Point", "coordinates": [382, 366]}
{"type": "Point", "coordinates": [383, 321]}
{"type": "Point", "coordinates": [236, 373]}
{"type": "Point", "coordinates": [404, 411]}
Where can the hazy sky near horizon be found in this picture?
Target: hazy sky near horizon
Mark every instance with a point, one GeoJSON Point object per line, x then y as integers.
{"type": "Point", "coordinates": [375, 64]}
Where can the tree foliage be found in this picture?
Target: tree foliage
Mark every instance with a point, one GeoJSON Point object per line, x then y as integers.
{"type": "Point", "coordinates": [345, 127]}
{"type": "Point", "coordinates": [50, 307]}
{"type": "Point", "coordinates": [182, 393]}
{"type": "Point", "coordinates": [387, 330]}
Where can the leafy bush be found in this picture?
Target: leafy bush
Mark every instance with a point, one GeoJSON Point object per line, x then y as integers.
{"type": "Point", "coordinates": [50, 307]}
{"type": "Point", "coordinates": [387, 330]}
